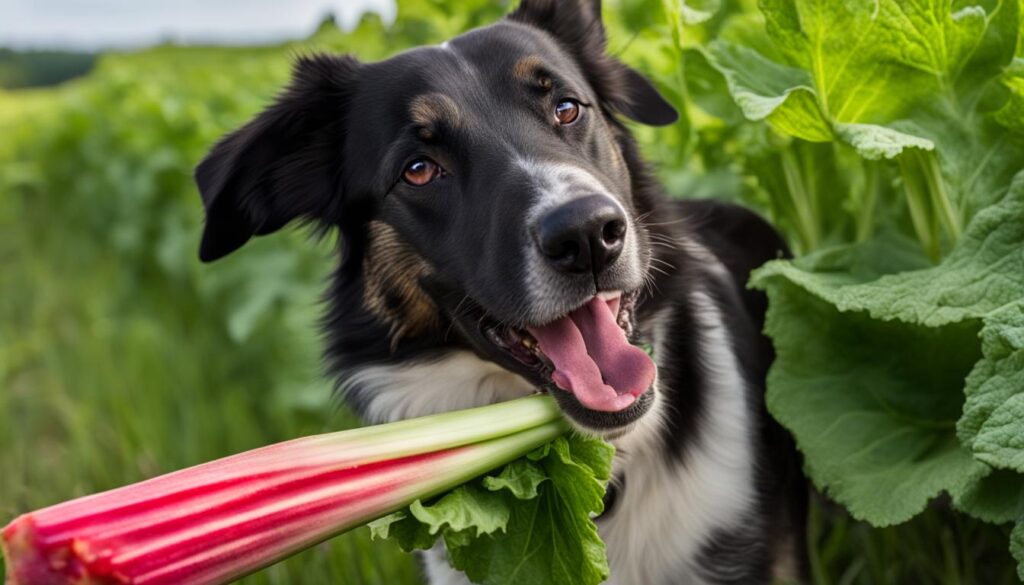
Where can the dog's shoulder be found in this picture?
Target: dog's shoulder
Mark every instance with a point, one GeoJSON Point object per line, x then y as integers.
{"type": "Point", "coordinates": [738, 238]}
{"type": "Point", "coordinates": [742, 239]}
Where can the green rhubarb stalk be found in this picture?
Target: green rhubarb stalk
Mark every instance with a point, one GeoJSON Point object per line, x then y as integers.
{"type": "Point", "coordinates": [802, 202]}
{"type": "Point", "coordinates": [865, 217]}
{"type": "Point", "coordinates": [917, 204]}
{"type": "Point", "coordinates": [948, 214]}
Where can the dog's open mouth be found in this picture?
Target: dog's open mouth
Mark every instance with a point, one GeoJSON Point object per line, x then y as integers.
{"type": "Point", "coordinates": [586, 353]}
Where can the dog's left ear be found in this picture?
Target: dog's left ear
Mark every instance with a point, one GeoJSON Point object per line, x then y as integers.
{"type": "Point", "coordinates": [281, 166]}
{"type": "Point", "coordinates": [577, 26]}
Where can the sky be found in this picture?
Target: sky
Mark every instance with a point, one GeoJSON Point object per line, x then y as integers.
{"type": "Point", "coordinates": [100, 24]}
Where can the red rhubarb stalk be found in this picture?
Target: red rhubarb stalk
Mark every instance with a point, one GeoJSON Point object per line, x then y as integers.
{"type": "Point", "coordinates": [214, 523]}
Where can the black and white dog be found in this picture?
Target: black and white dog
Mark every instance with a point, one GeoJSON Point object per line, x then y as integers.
{"type": "Point", "coordinates": [500, 235]}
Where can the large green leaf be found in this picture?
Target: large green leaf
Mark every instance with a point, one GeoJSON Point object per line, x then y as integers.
{"type": "Point", "coordinates": [872, 403]}
{"type": "Point", "coordinates": [977, 157]}
{"type": "Point", "coordinates": [766, 90]}
{"type": "Point", "coordinates": [872, 355]}
{"type": "Point", "coordinates": [993, 421]}
{"type": "Point", "coordinates": [469, 509]}
{"type": "Point", "coordinates": [997, 497]}
{"type": "Point", "coordinates": [983, 274]}
{"type": "Point", "coordinates": [865, 60]}
{"type": "Point", "coordinates": [787, 98]}
{"type": "Point", "coordinates": [549, 539]}
{"type": "Point", "coordinates": [521, 478]}
{"type": "Point", "coordinates": [530, 523]}
{"type": "Point", "coordinates": [884, 76]}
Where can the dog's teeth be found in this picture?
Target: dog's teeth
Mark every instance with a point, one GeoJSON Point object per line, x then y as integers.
{"type": "Point", "coordinates": [529, 343]}
{"type": "Point", "coordinates": [495, 338]}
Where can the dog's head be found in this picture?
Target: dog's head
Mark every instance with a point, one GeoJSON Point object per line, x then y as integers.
{"type": "Point", "coordinates": [483, 186]}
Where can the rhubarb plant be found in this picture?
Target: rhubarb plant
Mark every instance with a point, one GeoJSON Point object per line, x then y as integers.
{"type": "Point", "coordinates": [887, 138]}
{"type": "Point", "coordinates": [219, 521]}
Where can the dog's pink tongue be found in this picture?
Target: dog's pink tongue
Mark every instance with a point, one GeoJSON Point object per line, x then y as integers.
{"type": "Point", "coordinates": [593, 360]}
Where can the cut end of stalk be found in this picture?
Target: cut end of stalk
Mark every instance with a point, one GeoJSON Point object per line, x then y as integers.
{"type": "Point", "coordinates": [30, 562]}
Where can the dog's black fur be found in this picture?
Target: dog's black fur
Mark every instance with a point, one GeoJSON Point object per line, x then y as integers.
{"type": "Point", "coordinates": [449, 269]}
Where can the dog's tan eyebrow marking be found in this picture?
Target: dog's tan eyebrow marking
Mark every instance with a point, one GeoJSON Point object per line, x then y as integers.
{"type": "Point", "coordinates": [527, 68]}
{"type": "Point", "coordinates": [432, 109]}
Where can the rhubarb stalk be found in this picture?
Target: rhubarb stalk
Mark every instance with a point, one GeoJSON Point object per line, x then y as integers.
{"type": "Point", "coordinates": [217, 522]}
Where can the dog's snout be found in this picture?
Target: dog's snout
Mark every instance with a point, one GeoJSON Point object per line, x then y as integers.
{"type": "Point", "coordinates": [584, 235]}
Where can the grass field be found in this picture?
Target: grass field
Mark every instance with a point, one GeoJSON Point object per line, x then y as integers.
{"type": "Point", "coordinates": [99, 392]}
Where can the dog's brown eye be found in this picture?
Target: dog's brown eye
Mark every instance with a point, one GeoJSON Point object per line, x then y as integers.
{"type": "Point", "coordinates": [421, 171]}
{"type": "Point", "coordinates": [567, 111]}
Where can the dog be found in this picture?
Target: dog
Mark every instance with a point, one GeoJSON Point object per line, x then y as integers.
{"type": "Point", "coordinates": [500, 236]}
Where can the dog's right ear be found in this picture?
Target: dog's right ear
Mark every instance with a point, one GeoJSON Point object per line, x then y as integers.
{"type": "Point", "coordinates": [284, 164]}
{"type": "Point", "coordinates": [577, 25]}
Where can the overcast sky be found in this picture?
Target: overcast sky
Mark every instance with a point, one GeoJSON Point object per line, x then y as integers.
{"type": "Point", "coordinates": [95, 24]}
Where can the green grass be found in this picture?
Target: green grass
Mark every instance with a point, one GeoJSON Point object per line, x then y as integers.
{"type": "Point", "coordinates": [98, 393]}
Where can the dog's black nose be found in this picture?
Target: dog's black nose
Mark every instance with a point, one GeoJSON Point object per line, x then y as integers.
{"type": "Point", "coordinates": [584, 235]}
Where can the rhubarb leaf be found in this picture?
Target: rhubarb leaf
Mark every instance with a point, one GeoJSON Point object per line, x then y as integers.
{"type": "Point", "coordinates": [996, 498]}
{"type": "Point", "coordinates": [551, 538]}
{"type": "Point", "coordinates": [765, 90]}
{"type": "Point", "coordinates": [886, 76]}
{"type": "Point", "coordinates": [529, 523]}
{"type": "Point", "coordinates": [871, 60]}
{"type": "Point", "coordinates": [467, 508]}
{"type": "Point", "coordinates": [595, 455]}
{"type": "Point", "coordinates": [785, 97]}
{"type": "Point", "coordinates": [872, 403]}
{"type": "Point", "coordinates": [993, 419]}
{"type": "Point", "coordinates": [983, 274]}
{"type": "Point", "coordinates": [873, 350]}
{"type": "Point", "coordinates": [403, 528]}
{"type": "Point", "coordinates": [520, 477]}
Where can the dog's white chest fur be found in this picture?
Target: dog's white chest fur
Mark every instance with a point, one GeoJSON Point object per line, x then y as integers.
{"type": "Point", "coordinates": [670, 507]}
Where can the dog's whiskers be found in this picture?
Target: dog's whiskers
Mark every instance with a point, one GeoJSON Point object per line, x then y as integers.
{"type": "Point", "coordinates": [663, 223]}
{"type": "Point", "coordinates": [664, 263]}
{"type": "Point", "coordinates": [660, 271]}
{"type": "Point", "coordinates": [666, 241]}
{"type": "Point", "coordinates": [455, 316]}
{"type": "Point", "coordinates": [650, 285]}
{"type": "Point", "coordinates": [664, 245]}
